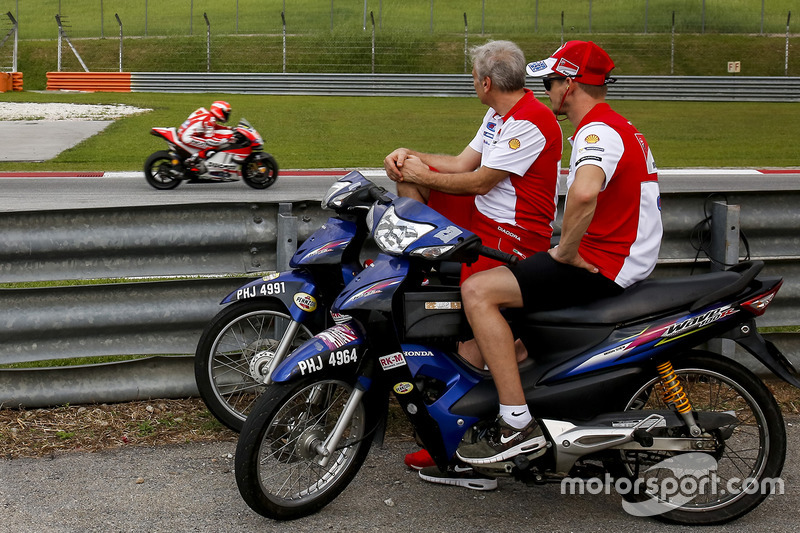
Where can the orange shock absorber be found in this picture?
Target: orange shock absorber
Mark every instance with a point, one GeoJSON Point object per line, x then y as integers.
{"type": "Point", "coordinates": [674, 394]}
{"type": "Point", "coordinates": [673, 391]}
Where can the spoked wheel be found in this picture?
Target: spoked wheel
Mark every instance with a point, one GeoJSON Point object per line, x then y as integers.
{"type": "Point", "coordinates": [260, 170]}
{"type": "Point", "coordinates": [726, 480]}
{"type": "Point", "coordinates": [234, 354]}
{"type": "Point", "coordinates": [278, 467]}
{"type": "Point", "coordinates": [159, 172]}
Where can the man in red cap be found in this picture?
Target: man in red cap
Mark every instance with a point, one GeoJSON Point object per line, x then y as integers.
{"type": "Point", "coordinates": [610, 237]}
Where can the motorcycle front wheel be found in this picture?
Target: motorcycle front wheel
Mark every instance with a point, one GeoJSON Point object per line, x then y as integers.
{"type": "Point", "coordinates": [260, 170]}
{"type": "Point", "coordinates": [277, 464]}
{"type": "Point", "coordinates": [159, 172]}
{"type": "Point", "coordinates": [710, 486]}
{"type": "Point", "coordinates": [234, 353]}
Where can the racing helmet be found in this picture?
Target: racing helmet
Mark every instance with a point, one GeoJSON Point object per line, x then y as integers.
{"type": "Point", "coordinates": [221, 110]}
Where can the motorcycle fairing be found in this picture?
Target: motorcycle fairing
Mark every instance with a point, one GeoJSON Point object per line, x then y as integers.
{"type": "Point", "coordinates": [373, 287]}
{"type": "Point", "coordinates": [294, 288]}
{"type": "Point", "coordinates": [326, 245]}
{"type": "Point", "coordinates": [338, 349]}
{"type": "Point", "coordinates": [430, 364]}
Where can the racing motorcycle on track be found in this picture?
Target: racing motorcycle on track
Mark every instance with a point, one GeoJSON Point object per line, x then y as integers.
{"type": "Point", "coordinates": [241, 157]}
{"type": "Point", "coordinates": [269, 317]}
{"type": "Point", "coordinates": [621, 387]}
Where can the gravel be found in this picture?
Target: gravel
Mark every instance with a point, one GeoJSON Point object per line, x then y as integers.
{"type": "Point", "coordinates": [62, 111]}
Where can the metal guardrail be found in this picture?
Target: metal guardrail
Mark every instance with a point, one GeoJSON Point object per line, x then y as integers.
{"type": "Point", "coordinates": [167, 317]}
{"type": "Point", "coordinates": [704, 88]}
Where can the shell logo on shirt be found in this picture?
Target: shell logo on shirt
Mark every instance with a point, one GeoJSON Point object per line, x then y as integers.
{"type": "Point", "coordinates": [514, 144]}
{"type": "Point", "coordinates": [592, 138]}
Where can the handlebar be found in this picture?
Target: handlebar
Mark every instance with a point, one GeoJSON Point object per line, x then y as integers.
{"type": "Point", "coordinates": [503, 257]}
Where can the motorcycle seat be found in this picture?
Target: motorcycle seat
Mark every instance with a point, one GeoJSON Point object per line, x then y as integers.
{"type": "Point", "coordinates": [654, 296]}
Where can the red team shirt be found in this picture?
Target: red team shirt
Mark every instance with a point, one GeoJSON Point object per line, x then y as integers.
{"type": "Point", "coordinates": [624, 236]}
{"type": "Point", "coordinates": [516, 216]}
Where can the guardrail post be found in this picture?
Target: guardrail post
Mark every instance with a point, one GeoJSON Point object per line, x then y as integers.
{"type": "Point", "coordinates": [724, 235]}
{"type": "Point", "coordinates": [287, 236]}
{"type": "Point", "coordinates": [724, 252]}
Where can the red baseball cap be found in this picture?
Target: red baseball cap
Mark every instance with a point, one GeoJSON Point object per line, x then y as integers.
{"type": "Point", "coordinates": [583, 60]}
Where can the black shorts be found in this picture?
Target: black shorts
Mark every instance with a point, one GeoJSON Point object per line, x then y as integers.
{"type": "Point", "coordinates": [547, 284]}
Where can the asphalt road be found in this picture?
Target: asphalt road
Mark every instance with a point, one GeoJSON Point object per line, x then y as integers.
{"type": "Point", "coordinates": [21, 192]}
{"type": "Point", "coordinates": [192, 488]}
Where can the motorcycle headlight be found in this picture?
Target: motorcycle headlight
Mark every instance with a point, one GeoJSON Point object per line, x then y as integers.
{"type": "Point", "coordinates": [394, 234]}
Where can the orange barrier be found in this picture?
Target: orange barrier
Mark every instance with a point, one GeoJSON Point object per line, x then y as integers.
{"type": "Point", "coordinates": [116, 82]}
{"type": "Point", "coordinates": [5, 82]}
{"type": "Point", "coordinates": [16, 81]}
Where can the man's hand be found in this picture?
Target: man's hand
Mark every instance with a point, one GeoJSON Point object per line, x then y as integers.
{"type": "Point", "coordinates": [394, 164]}
{"type": "Point", "coordinates": [576, 260]}
{"type": "Point", "coordinates": [412, 169]}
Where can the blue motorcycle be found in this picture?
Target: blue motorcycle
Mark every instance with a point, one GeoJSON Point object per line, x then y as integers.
{"type": "Point", "coordinates": [621, 387]}
{"type": "Point", "coordinates": [267, 318]}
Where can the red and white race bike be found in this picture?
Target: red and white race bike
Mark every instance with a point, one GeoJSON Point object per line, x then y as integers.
{"type": "Point", "coordinates": [239, 157]}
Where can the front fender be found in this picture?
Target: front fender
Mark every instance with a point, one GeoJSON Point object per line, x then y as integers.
{"type": "Point", "coordinates": [296, 289]}
{"type": "Point", "coordinates": [338, 350]}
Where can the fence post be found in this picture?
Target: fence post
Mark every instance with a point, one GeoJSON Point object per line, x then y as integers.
{"type": "Point", "coordinates": [590, 16]}
{"type": "Point", "coordinates": [672, 48]}
{"type": "Point", "coordinates": [102, 33]}
{"type": "Point", "coordinates": [283, 20]}
{"type": "Point", "coordinates": [466, 48]}
{"type": "Point", "coordinates": [562, 28]}
{"type": "Point", "coordinates": [646, 9]}
{"type": "Point", "coordinates": [286, 235]}
{"type": "Point", "coordinates": [536, 18]}
{"type": "Point", "coordinates": [120, 40]}
{"type": "Point", "coordinates": [703, 18]}
{"type": "Point", "coordinates": [372, 18]}
{"type": "Point", "coordinates": [483, 16]}
{"type": "Point", "coordinates": [786, 63]}
{"type": "Point", "coordinates": [208, 43]}
{"type": "Point", "coordinates": [145, 18]}
{"type": "Point", "coordinates": [191, 17]}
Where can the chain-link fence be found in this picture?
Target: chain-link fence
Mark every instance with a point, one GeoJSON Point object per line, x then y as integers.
{"type": "Point", "coordinates": [96, 18]}
{"type": "Point", "coordinates": [645, 37]}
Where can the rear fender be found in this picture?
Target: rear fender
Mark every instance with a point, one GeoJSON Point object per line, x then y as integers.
{"type": "Point", "coordinates": [336, 351]}
{"type": "Point", "coordinates": [770, 356]}
{"type": "Point", "coordinates": [296, 289]}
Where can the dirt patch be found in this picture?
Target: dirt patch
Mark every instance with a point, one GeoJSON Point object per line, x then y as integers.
{"type": "Point", "coordinates": [46, 432]}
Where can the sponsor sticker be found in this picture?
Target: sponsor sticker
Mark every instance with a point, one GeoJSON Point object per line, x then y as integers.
{"type": "Point", "coordinates": [305, 301]}
{"type": "Point", "coordinates": [393, 360]}
{"type": "Point", "coordinates": [404, 387]}
{"type": "Point", "coordinates": [592, 138]}
{"type": "Point", "coordinates": [514, 144]}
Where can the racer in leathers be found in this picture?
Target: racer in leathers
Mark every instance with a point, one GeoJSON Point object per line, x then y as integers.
{"type": "Point", "coordinates": [202, 130]}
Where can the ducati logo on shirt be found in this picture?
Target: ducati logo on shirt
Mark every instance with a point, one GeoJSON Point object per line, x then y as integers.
{"type": "Point", "coordinates": [592, 139]}
{"type": "Point", "coordinates": [514, 144]}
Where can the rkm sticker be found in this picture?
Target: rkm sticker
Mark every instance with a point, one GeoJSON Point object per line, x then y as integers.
{"type": "Point", "coordinates": [393, 360]}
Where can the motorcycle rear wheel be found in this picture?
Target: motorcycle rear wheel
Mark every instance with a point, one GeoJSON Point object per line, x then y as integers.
{"type": "Point", "coordinates": [234, 350]}
{"type": "Point", "coordinates": [276, 464]}
{"type": "Point", "coordinates": [158, 171]}
{"type": "Point", "coordinates": [753, 453]}
{"type": "Point", "coordinates": [260, 170]}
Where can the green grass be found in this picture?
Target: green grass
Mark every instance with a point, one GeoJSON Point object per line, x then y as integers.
{"type": "Point", "coordinates": [351, 132]}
